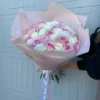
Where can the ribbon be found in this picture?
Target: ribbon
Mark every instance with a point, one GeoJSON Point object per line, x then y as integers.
{"type": "Point", "coordinates": [45, 86]}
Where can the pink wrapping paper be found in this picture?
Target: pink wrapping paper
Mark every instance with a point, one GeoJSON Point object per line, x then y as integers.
{"type": "Point", "coordinates": [50, 60]}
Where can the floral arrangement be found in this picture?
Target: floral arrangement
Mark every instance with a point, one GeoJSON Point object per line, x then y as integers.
{"type": "Point", "coordinates": [50, 38]}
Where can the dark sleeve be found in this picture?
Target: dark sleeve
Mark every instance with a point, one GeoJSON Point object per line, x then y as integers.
{"type": "Point", "coordinates": [91, 64]}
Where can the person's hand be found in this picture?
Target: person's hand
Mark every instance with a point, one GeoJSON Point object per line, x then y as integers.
{"type": "Point", "coordinates": [72, 65]}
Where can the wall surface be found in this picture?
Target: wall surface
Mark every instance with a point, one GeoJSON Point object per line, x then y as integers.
{"type": "Point", "coordinates": [19, 79]}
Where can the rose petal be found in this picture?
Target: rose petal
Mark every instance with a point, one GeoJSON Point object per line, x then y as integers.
{"type": "Point", "coordinates": [50, 32]}
{"type": "Point", "coordinates": [63, 39]}
{"type": "Point", "coordinates": [37, 41]}
{"type": "Point", "coordinates": [44, 38]}
{"type": "Point", "coordinates": [68, 47]}
{"type": "Point", "coordinates": [49, 45]}
{"type": "Point", "coordinates": [26, 37]}
{"type": "Point", "coordinates": [76, 47]}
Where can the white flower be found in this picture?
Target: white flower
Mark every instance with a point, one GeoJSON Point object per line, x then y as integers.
{"type": "Point", "coordinates": [34, 35]}
{"type": "Point", "coordinates": [41, 25]}
{"type": "Point", "coordinates": [31, 31]}
{"type": "Point", "coordinates": [53, 37]}
{"type": "Point", "coordinates": [72, 40]}
{"type": "Point", "coordinates": [40, 47]}
{"type": "Point", "coordinates": [59, 47]}
{"type": "Point", "coordinates": [58, 31]}
{"type": "Point", "coordinates": [29, 42]}
{"type": "Point", "coordinates": [42, 32]}
{"type": "Point", "coordinates": [48, 23]}
{"type": "Point", "coordinates": [66, 33]}
{"type": "Point", "coordinates": [47, 26]}
{"type": "Point", "coordinates": [53, 23]}
{"type": "Point", "coordinates": [26, 37]}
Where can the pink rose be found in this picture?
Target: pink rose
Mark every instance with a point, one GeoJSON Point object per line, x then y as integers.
{"type": "Point", "coordinates": [61, 24]}
{"type": "Point", "coordinates": [64, 28]}
{"type": "Point", "coordinates": [50, 32]}
{"type": "Point", "coordinates": [76, 47]}
{"type": "Point", "coordinates": [68, 47]}
{"type": "Point", "coordinates": [78, 43]}
{"type": "Point", "coordinates": [44, 38]}
{"type": "Point", "coordinates": [36, 27]}
{"type": "Point", "coordinates": [26, 37]}
{"type": "Point", "coordinates": [63, 39]}
{"type": "Point", "coordinates": [49, 44]}
{"type": "Point", "coordinates": [37, 41]}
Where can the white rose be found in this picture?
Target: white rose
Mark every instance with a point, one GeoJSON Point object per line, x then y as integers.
{"type": "Point", "coordinates": [57, 31]}
{"type": "Point", "coordinates": [40, 47]}
{"type": "Point", "coordinates": [59, 47]}
{"type": "Point", "coordinates": [66, 33]}
{"type": "Point", "coordinates": [34, 35]}
{"type": "Point", "coordinates": [31, 31]}
{"type": "Point", "coordinates": [72, 40]}
{"type": "Point", "coordinates": [53, 37]}
{"type": "Point", "coordinates": [54, 23]}
{"type": "Point", "coordinates": [68, 27]}
{"type": "Point", "coordinates": [41, 25]}
{"type": "Point", "coordinates": [47, 26]}
{"type": "Point", "coordinates": [48, 23]}
{"type": "Point", "coordinates": [29, 42]}
{"type": "Point", "coordinates": [42, 32]}
{"type": "Point", "coordinates": [26, 37]}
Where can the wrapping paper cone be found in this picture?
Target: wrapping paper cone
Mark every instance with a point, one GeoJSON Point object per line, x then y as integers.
{"type": "Point", "coordinates": [50, 60]}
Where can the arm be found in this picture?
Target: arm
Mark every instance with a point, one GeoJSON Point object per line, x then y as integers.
{"type": "Point", "coordinates": [72, 65]}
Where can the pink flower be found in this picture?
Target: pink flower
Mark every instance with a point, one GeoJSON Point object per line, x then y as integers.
{"type": "Point", "coordinates": [61, 24]}
{"type": "Point", "coordinates": [36, 27]}
{"type": "Point", "coordinates": [68, 47]}
{"type": "Point", "coordinates": [78, 43]}
{"type": "Point", "coordinates": [37, 41]}
{"type": "Point", "coordinates": [64, 28]}
{"type": "Point", "coordinates": [49, 45]}
{"type": "Point", "coordinates": [57, 26]}
{"type": "Point", "coordinates": [44, 38]}
{"type": "Point", "coordinates": [26, 37]}
{"type": "Point", "coordinates": [50, 32]}
{"type": "Point", "coordinates": [76, 47]}
{"type": "Point", "coordinates": [63, 39]}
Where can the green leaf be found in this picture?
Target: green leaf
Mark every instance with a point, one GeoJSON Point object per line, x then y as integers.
{"type": "Point", "coordinates": [41, 76]}
{"type": "Point", "coordinates": [57, 78]}
{"type": "Point", "coordinates": [62, 73]}
{"type": "Point", "coordinates": [44, 75]}
{"type": "Point", "coordinates": [52, 77]}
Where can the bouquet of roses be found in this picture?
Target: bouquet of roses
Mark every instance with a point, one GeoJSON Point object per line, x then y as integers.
{"type": "Point", "coordinates": [50, 38]}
